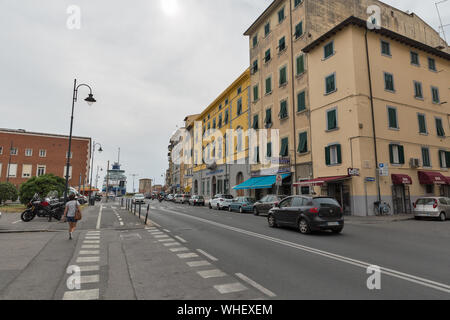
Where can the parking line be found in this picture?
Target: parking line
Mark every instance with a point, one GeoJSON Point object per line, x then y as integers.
{"type": "Point", "coordinates": [267, 292]}
{"type": "Point", "coordinates": [216, 273]}
{"type": "Point", "coordinates": [201, 263]}
{"type": "Point", "coordinates": [89, 268]}
{"type": "Point", "coordinates": [171, 244]}
{"type": "Point", "coordinates": [82, 295]}
{"type": "Point", "coordinates": [187, 255]}
{"type": "Point", "coordinates": [88, 259]}
{"type": "Point", "coordinates": [230, 288]}
{"type": "Point", "coordinates": [210, 257]}
{"type": "Point", "coordinates": [181, 239]}
{"type": "Point", "coordinates": [181, 249]}
{"type": "Point", "coordinates": [90, 279]}
{"type": "Point", "coordinates": [89, 252]}
{"type": "Point", "coordinates": [166, 240]}
{"type": "Point", "coordinates": [17, 221]}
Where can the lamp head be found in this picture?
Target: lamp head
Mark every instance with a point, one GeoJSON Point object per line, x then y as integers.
{"type": "Point", "coordinates": [100, 150]}
{"type": "Point", "coordinates": [90, 100]}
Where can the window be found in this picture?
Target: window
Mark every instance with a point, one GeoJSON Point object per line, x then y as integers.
{"type": "Point", "coordinates": [12, 170]}
{"type": "Point", "coordinates": [26, 170]}
{"type": "Point", "coordinates": [422, 124]}
{"type": "Point", "coordinates": [418, 93]}
{"type": "Point", "coordinates": [385, 48]}
{"type": "Point", "coordinates": [267, 56]}
{"type": "Point", "coordinates": [435, 95]}
{"type": "Point", "coordinates": [299, 30]}
{"type": "Point", "coordinates": [444, 159]}
{"type": "Point", "coordinates": [330, 84]}
{"type": "Point", "coordinates": [14, 151]}
{"type": "Point", "coordinates": [239, 91]}
{"type": "Point", "coordinates": [42, 153]}
{"type": "Point", "coordinates": [220, 107]}
{"type": "Point", "coordinates": [214, 124]}
{"type": "Point", "coordinates": [269, 85]}
{"type": "Point", "coordinates": [283, 109]}
{"type": "Point", "coordinates": [415, 58]}
{"type": "Point", "coordinates": [268, 120]}
{"type": "Point", "coordinates": [303, 143]}
{"type": "Point", "coordinates": [432, 64]}
{"type": "Point", "coordinates": [255, 41]}
{"type": "Point", "coordinates": [220, 121]}
{"type": "Point", "coordinates": [283, 76]}
{"type": "Point", "coordinates": [256, 93]}
{"type": "Point", "coordinates": [300, 65]}
{"type": "Point", "coordinates": [297, 3]}
{"type": "Point", "coordinates": [266, 29]}
{"type": "Point", "coordinates": [328, 50]}
{"type": "Point", "coordinates": [269, 150]}
{"type": "Point", "coordinates": [392, 117]}
{"type": "Point", "coordinates": [389, 82]}
{"type": "Point", "coordinates": [333, 155]}
{"type": "Point", "coordinates": [28, 152]}
{"type": "Point", "coordinates": [332, 120]}
{"type": "Point", "coordinates": [284, 151]}
{"type": "Point", "coordinates": [301, 101]}
{"type": "Point", "coordinates": [226, 117]}
{"type": "Point", "coordinates": [440, 128]}
{"type": "Point", "coordinates": [426, 162]}
{"type": "Point", "coordinates": [239, 107]}
{"type": "Point", "coordinates": [396, 154]}
{"type": "Point", "coordinates": [281, 44]}
{"type": "Point", "coordinates": [255, 122]}
{"type": "Point", "coordinates": [239, 140]}
{"type": "Point", "coordinates": [255, 67]}
{"type": "Point", "coordinates": [1, 150]}
{"type": "Point", "coordinates": [281, 16]}
{"type": "Point", "coordinates": [226, 102]}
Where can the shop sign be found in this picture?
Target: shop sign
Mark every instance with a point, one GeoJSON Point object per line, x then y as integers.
{"type": "Point", "coordinates": [353, 172]}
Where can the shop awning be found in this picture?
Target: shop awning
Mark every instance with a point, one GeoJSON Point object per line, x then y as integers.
{"type": "Point", "coordinates": [321, 181]}
{"type": "Point", "coordinates": [400, 179]}
{"type": "Point", "coordinates": [428, 177]}
{"type": "Point", "coordinates": [448, 180]}
{"type": "Point", "coordinates": [265, 182]}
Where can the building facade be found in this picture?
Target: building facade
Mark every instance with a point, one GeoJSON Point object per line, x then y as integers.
{"type": "Point", "coordinates": [189, 165]}
{"type": "Point", "coordinates": [225, 164]}
{"type": "Point", "coordinates": [145, 186]}
{"type": "Point", "coordinates": [24, 155]}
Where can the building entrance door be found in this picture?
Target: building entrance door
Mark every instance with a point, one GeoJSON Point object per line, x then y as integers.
{"type": "Point", "coordinates": [340, 192]}
{"type": "Point", "coordinates": [214, 187]}
{"type": "Point", "coordinates": [401, 199]}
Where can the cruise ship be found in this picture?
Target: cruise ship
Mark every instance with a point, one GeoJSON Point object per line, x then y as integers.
{"type": "Point", "coordinates": [116, 181]}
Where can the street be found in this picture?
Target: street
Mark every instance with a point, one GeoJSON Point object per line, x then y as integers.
{"type": "Point", "coordinates": [200, 254]}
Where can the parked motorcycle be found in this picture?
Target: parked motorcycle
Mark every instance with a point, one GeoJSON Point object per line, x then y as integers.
{"type": "Point", "coordinates": [50, 207]}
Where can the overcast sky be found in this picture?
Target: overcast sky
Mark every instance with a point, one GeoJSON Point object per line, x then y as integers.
{"type": "Point", "coordinates": [150, 63]}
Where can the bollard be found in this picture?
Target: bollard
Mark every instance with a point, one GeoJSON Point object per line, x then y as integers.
{"type": "Point", "coordinates": [139, 210]}
{"type": "Point", "coordinates": [134, 208]}
{"type": "Point", "coordinates": [146, 216]}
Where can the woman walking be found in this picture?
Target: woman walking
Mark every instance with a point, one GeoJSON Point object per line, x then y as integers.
{"type": "Point", "coordinates": [70, 214]}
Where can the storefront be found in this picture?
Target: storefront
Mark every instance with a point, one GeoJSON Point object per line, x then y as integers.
{"type": "Point", "coordinates": [430, 180]}
{"type": "Point", "coordinates": [401, 196]}
{"type": "Point", "coordinates": [261, 186]}
{"type": "Point", "coordinates": [445, 189]}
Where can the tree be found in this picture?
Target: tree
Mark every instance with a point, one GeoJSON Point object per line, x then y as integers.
{"type": "Point", "coordinates": [8, 191]}
{"type": "Point", "coordinates": [41, 185]}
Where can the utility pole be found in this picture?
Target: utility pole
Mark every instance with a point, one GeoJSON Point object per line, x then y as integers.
{"type": "Point", "coordinates": [440, 20]}
{"type": "Point", "coordinates": [107, 182]}
{"type": "Point", "coordinates": [134, 175]}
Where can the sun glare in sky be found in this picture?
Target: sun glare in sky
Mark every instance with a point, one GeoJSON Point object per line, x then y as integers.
{"type": "Point", "coordinates": [170, 7]}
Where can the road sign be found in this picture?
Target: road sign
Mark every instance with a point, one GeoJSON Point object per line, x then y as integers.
{"type": "Point", "coordinates": [383, 170]}
{"type": "Point", "coordinates": [279, 180]}
{"type": "Point", "coordinates": [370, 179]}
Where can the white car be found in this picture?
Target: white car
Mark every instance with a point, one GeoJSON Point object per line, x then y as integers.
{"type": "Point", "coordinates": [221, 201]}
{"type": "Point", "coordinates": [138, 198]}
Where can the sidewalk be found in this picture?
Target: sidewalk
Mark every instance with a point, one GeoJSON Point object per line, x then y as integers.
{"type": "Point", "coordinates": [378, 219]}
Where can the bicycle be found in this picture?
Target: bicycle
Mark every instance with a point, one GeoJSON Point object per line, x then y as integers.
{"type": "Point", "coordinates": [382, 208]}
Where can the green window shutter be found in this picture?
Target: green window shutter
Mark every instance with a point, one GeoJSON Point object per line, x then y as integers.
{"type": "Point", "coordinates": [339, 153]}
{"type": "Point", "coordinates": [332, 120]}
{"type": "Point", "coordinates": [301, 100]}
{"type": "Point", "coordinates": [269, 85]}
{"type": "Point", "coordinates": [441, 159]}
{"type": "Point", "coordinates": [422, 124]}
{"type": "Point", "coordinates": [283, 78]}
{"type": "Point", "coordinates": [328, 156]}
{"type": "Point", "coordinates": [284, 147]}
{"type": "Point", "coordinates": [299, 30]}
{"type": "Point", "coordinates": [447, 159]}
{"type": "Point", "coordinates": [401, 154]}
{"type": "Point", "coordinates": [330, 84]}
{"type": "Point", "coordinates": [283, 110]}
{"type": "Point", "coordinates": [269, 150]}
{"type": "Point", "coordinates": [268, 116]}
{"type": "Point", "coordinates": [389, 82]}
{"type": "Point", "coordinates": [329, 50]}
{"type": "Point", "coordinates": [435, 94]}
{"type": "Point", "coordinates": [303, 144]}
{"type": "Point", "coordinates": [226, 117]}
{"type": "Point", "coordinates": [426, 157]}
{"type": "Point", "coordinates": [391, 153]}
{"type": "Point", "coordinates": [440, 128]}
{"type": "Point", "coordinates": [418, 90]}
{"type": "Point", "coordinates": [256, 93]}
{"type": "Point", "coordinates": [255, 122]}
{"type": "Point", "coordinates": [300, 65]}
{"type": "Point", "coordinates": [392, 118]}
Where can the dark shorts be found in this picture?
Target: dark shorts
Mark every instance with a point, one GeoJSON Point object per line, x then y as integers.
{"type": "Point", "coordinates": [72, 220]}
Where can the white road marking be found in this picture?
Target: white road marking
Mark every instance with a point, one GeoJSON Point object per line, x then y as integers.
{"type": "Point", "coordinates": [187, 255]}
{"type": "Point", "coordinates": [88, 259]}
{"type": "Point", "coordinates": [90, 279]}
{"type": "Point", "coordinates": [171, 244]}
{"type": "Point", "coordinates": [156, 233]}
{"type": "Point", "coordinates": [89, 268]}
{"type": "Point", "coordinates": [201, 263]}
{"type": "Point", "coordinates": [17, 221]}
{"type": "Point", "coordinates": [231, 287]}
{"type": "Point", "coordinates": [179, 249]}
{"type": "Point", "coordinates": [99, 220]}
{"type": "Point", "coordinates": [397, 274]}
{"type": "Point", "coordinates": [181, 239]}
{"type": "Point", "coordinates": [210, 257]}
{"type": "Point", "coordinates": [267, 292]}
{"type": "Point", "coordinates": [89, 252]}
{"type": "Point", "coordinates": [121, 224]}
{"type": "Point", "coordinates": [91, 241]}
{"type": "Point", "coordinates": [166, 240]}
{"type": "Point", "coordinates": [90, 246]}
{"type": "Point", "coordinates": [166, 230]}
{"type": "Point", "coordinates": [82, 295]}
{"type": "Point", "coordinates": [161, 236]}
{"type": "Point", "coordinates": [216, 273]}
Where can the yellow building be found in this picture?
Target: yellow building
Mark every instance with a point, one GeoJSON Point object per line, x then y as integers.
{"type": "Point", "coordinates": [230, 111]}
{"type": "Point", "coordinates": [378, 99]}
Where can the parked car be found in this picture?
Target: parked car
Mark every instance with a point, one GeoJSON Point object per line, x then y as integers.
{"type": "Point", "coordinates": [265, 204]}
{"type": "Point", "coordinates": [178, 198]}
{"type": "Point", "coordinates": [308, 214]}
{"type": "Point", "coordinates": [98, 197]}
{"type": "Point", "coordinates": [197, 201]}
{"type": "Point", "coordinates": [432, 207]}
{"type": "Point", "coordinates": [220, 201]}
{"type": "Point", "coordinates": [169, 197]}
{"type": "Point", "coordinates": [138, 198]}
{"type": "Point", "coordinates": [185, 198]}
{"type": "Point", "coordinates": [242, 204]}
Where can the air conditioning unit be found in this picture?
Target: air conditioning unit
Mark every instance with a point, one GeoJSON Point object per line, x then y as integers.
{"type": "Point", "coordinates": [415, 163]}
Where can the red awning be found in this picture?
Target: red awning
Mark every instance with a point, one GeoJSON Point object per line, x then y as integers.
{"type": "Point", "coordinates": [320, 181]}
{"type": "Point", "coordinates": [399, 179]}
{"type": "Point", "coordinates": [427, 177]}
{"type": "Point", "coordinates": [448, 180]}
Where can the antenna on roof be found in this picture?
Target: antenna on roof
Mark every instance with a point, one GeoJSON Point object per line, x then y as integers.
{"type": "Point", "coordinates": [440, 20]}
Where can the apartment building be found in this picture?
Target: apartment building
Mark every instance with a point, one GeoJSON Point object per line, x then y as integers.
{"type": "Point", "coordinates": [282, 72]}
{"type": "Point", "coordinates": [225, 156]}
{"type": "Point", "coordinates": [177, 163]}
{"type": "Point", "coordinates": [24, 155]}
{"type": "Point", "coordinates": [189, 165]}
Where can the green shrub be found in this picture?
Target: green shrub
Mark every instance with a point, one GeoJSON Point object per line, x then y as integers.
{"type": "Point", "coordinates": [41, 185]}
{"type": "Point", "coordinates": [8, 191]}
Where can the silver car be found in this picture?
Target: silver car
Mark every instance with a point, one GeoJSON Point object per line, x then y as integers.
{"type": "Point", "coordinates": [432, 207]}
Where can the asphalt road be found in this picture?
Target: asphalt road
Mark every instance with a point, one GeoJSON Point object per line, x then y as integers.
{"type": "Point", "coordinates": [202, 254]}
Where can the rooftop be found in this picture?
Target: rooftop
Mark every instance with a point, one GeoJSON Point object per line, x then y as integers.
{"type": "Point", "coordinates": [24, 132]}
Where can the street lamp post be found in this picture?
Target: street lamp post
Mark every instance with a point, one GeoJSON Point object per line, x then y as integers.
{"type": "Point", "coordinates": [92, 169]}
{"type": "Point", "coordinates": [90, 100]}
